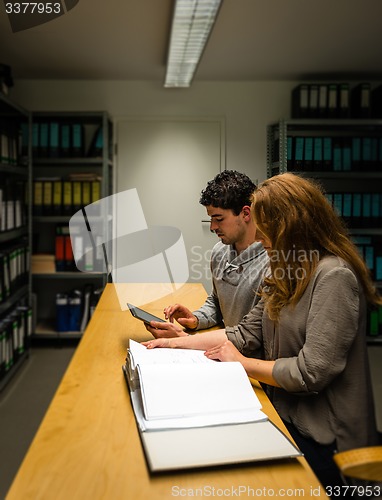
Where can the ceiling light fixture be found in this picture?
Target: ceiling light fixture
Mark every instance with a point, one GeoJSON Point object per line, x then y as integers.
{"type": "Point", "coordinates": [191, 26]}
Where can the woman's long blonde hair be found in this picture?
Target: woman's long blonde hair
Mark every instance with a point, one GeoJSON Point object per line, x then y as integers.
{"type": "Point", "coordinates": [302, 226]}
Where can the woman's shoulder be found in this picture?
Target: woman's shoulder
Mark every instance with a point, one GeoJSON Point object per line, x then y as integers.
{"type": "Point", "coordinates": [333, 264]}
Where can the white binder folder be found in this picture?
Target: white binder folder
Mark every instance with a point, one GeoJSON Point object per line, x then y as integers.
{"type": "Point", "coordinates": [192, 412]}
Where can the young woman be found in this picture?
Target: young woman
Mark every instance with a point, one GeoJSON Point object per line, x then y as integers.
{"type": "Point", "coordinates": [305, 339]}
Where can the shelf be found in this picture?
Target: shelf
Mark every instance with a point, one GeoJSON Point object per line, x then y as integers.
{"type": "Point", "coordinates": [91, 154]}
{"type": "Point", "coordinates": [69, 162]}
{"type": "Point", "coordinates": [10, 109]}
{"type": "Point", "coordinates": [13, 169]}
{"type": "Point", "coordinates": [81, 116]}
{"type": "Point", "coordinates": [45, 330]}
{"type": "Point", "coordinates": [343, 174]}
{"type": "Point", "coordinates": [374, 340]}
{"type": "Point", "coordinates": [13, 370]}
{"type": "Point", "coordinates": [328, 122]}
{"type": "Point", "coordinates": [14, 298]}
{"type": "Point", "coordinates": [367, 231]}
{"type": "Point", "coordinates": [350, 190]}
{"type": "Point", "coordinates": [68, 275]}
{"type": "Point", "coordinates": [12, 234]}
{"type": "Point", "coordinates": [51, 219]}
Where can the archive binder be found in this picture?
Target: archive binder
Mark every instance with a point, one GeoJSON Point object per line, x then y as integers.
{"type": "Point", "coordinates": [37, 197]}
{"type": "Point", "coordinates": [78, 141]}
{"type": "Point", "coordinates": [65, 140]}
{"type": "Point", "coordinates": [317, 154]}
{"type": "Point", "coordinates": [343, 100]}
{"type": "Point", "coordinates": [361, 100]}
{"type": "Point", "coordinates": [322, 100]}
{"type": "Point", "coordinates": [77, 195]}
{"type": "Point", "coordinates": [59, 253]}
{"type": "Point", "coordinates": [57, 197]}
{"type": "Point", "coordinates": [337, 154]}
{"type": "Point", "coordinates": [54, 139]}
{"type": "Point", "coordinates": [313, 100]}
{"type": "Point", "coordinates": [299, 153]}
{"type": "Point", "coordinates": [376, 102]}
{"type": "Point", "coordinates": [43, 146]}
{"type": "Point", "coordinates": [300, 101]}
{"type": "Point", "coordinates": [332, 100]}
{"type": "Point", "coordinates": [96, 146]}
{"type": "Point", "coordinates": [308, 154]}
{"type": "Point", "coordinates": [35, 139]}
{"type": "Point", "coordinates": [181, 426]}
{"type": "Point", "coordinates": [47, 202]}
{"type": "Point", "coordinates": [290, 160]}
{"type": "Point", "coordinates": [67, 199]}
{"type": "Point", "coordinates": [327, 154]}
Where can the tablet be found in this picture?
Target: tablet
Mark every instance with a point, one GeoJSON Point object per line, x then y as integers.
{"type": "Point", "coordinates": [143, 315]}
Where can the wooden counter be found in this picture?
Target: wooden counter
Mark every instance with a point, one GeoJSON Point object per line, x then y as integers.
{"type": "Point", "coordinates": [88, 445]}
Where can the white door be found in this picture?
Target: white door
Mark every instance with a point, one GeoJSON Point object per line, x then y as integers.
{"type": "Point", "coordinates": [169, 161]}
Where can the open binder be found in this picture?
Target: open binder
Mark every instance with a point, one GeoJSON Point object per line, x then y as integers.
{"type": "Point", "coordinates": [192, 412]}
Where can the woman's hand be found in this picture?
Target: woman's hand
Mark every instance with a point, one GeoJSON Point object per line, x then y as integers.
{"type": "Point", "coordinates": [162, 342]}
{"type": "Point", "coordinates": [225, 352]}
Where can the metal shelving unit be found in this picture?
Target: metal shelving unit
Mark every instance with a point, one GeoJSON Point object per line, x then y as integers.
{"type": "Point", "coordinates": [363, 180]}
{"type": "Point", "coordinates": [15, 170]}
{"type": "Point", "coordinates": [47, 284]}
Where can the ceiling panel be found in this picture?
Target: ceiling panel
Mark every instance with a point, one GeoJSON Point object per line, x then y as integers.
{"type": "Point", "coordinates": [252, 40]}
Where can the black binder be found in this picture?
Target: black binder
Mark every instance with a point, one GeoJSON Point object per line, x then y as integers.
{"type": "Point", "coordinates": [322, 100]}
{"type": "Point", "coordinates": [300, 101]}
{"type": "Point", "coordinates": [313, 100]}
{"type": "Point", "coordinates": [317, 154]}
{"type": "Point", "coordinates": [78, 140]}
{"type": "Point", "coordinates": [44, 140]}
{"type": "Point", "coordinates": [332, 100]}
{"type": "Point", "coordinates": [376, 102]}
{"type": "Point", "coordinates": [65, 140]}
{"type": "Point", "coordinates": [327, 154]}
{"type": "Point", "coordinates": [308, 154]}
{"type": "Point", "coordinates": [343, 100]}
{"type": "Point", "coordinates": [298, 154]}
{"type": "Point", "coordinates": [361, 101]}
{"type": "Point", "coordinates": [54, 139]}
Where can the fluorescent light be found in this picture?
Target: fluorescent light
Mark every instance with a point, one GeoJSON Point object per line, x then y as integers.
{"type": "Point", "coordinates": [191, 26]}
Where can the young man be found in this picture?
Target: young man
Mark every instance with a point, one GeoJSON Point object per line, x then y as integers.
{"type": "Point", "coordinates": [238, 263]}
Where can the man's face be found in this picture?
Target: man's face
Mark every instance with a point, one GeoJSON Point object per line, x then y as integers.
{"type": "Point", "coordinates": [230, 228]}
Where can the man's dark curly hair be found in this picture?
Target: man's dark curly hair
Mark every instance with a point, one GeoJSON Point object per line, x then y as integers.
{"type": "Point", "coordinates": [229, 190]}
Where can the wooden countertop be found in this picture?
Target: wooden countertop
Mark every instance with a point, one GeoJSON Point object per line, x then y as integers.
{"type": "Point", "coordinates": [88, 445]}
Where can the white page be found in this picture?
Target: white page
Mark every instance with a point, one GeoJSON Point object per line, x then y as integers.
{"type": "Point", "coordinates": [139, 354]}
{"type": "Point", "coordinates": [190, 422]}
{"type": "Point", "coordinates": [185, 390]}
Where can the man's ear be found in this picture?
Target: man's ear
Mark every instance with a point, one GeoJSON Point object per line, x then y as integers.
{"type": "Point", "coordinates": [246, 210]}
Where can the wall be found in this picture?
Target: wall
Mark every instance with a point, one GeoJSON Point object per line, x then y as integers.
{"type": "Point", "coordinates": [247, 107]}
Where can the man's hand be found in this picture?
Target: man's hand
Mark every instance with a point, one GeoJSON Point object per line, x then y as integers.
{"type": "Point", "coordinates": [165, 330]}
{"type": "Point", "coordinates": [182, 315]}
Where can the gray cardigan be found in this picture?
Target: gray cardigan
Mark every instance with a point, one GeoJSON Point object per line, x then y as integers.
{"type": "Point", "coordinates": [321, 358]}
{"type": "Point", "coordinates": [235, 283]}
